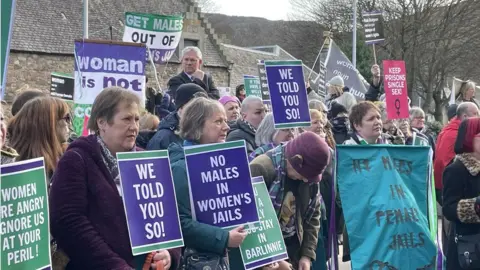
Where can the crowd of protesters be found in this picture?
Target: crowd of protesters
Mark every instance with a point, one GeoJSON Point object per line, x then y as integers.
{"type": "Point", "coordinates": [88, 222]}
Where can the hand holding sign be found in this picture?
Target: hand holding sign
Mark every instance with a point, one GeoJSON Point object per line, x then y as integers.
{"type": "Point", "coordinates": [162, 260]}
{"type": "Point", "coordinates": [236, 237]}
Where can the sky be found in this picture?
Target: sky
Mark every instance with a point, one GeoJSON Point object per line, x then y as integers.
{"type": "Point", "coordinates": [269, 9]}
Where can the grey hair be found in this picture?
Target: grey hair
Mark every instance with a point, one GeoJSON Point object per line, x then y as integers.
{"type": "Point", "coordinates": [463, 108]}
{"type": "Point", "coordinates": [317, 105]}
{"type": "Point", "coordinates": [249, 100]}
{"type": "Point", "coordinates": [194, 115]}
{"type": "Point", "coordinates": [192, 48]}
{"type": "Point", "coordinates": [265, 131]}
{"type": "Point", "coordinates": [415, 112]}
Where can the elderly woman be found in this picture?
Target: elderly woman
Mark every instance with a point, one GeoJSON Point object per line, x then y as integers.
{"type": "Point", "coordinates": [232, 107]}
{"type": "Point", "coordinates": [87, 217]}
{"type": "Point", "coordinates": [267, 137]}
{"type": "Point", "coordinates": [292, 173]}
{"type": "Point", "coordinates": [461, 200]}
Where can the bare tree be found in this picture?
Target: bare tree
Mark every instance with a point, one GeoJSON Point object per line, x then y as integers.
{"type": "Point", "coordinates": [208, 6]}
{"type": "Point", "coordinates": [436, 38]}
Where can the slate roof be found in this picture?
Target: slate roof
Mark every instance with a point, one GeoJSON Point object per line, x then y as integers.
{"type": "Point", "coordinates": [50, 26]}
{"type": "Point", "coordinates": [245, 60]}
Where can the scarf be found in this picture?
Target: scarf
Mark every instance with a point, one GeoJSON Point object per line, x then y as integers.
{"type": "Point", "coordinates": [110, 162]}
{"type": "Point", "coordinates": [276, 191]}
{"type": "Point", "coordinates": [470, 162]}
{"type": "Point", "coordinates": [260, 150]}
{"type": "Point", "coordinates": [250, 126]}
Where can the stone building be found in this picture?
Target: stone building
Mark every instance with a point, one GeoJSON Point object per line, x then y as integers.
{"type": "Point", "coordinates": [44, 32]}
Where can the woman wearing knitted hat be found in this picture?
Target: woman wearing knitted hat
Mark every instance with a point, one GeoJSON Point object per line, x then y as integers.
{"type": "Point", "coordinates": [292, 172]}
{"type": "Point", "coordinates": [461, 190]}
{"type": "Point", "coordinates": [337, 94]}
{"type": "Point", "coordinates": [232, 107]}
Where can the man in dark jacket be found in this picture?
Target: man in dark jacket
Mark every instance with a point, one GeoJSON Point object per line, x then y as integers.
{"type": "Point", "coordinates": [191, 62]}
{"type": "Point", "coordinates": [253, 112]}
{"type": "Point", "coordinates": [166, 133]}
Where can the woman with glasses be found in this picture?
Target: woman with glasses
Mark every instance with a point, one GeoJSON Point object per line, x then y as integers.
{"type": "Point", "coordinates": [41, 129]}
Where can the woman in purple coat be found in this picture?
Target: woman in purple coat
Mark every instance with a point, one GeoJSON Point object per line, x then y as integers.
{"type": "Point", "coordinates": [86, 211]}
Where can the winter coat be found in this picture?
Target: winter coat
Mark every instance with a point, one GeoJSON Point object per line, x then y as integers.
{"type": "Point", "coordinates": [240, 130]}
{"type": "Point", "coordinates": [200, 236]}
{"type": "Point", "coordinates": [461, 186]}
{"type": "Point", "coordinates": [144, 137]}
{"type": "Point", "coordinates": [165, 134]}
{"type": "Point", "coordinates": [340, 129]}
{"type": "Point", "coordinates": [206, 83]}
{"type": "Point", "coordinates": [444, 150]}
{"type": "Point", "coordinates": [8, 155]}
{"type": "Point", "coordinates": [87, 217]}
{"type": "Point", "coordinates": [306, 231]}
{"type": "Point", "coordinates": [347, 99]}
{"type": "Point", "coordinates": [373, 92]}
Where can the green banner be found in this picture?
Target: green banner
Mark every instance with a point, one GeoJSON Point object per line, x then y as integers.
{"type": "Point", "coordinates": [264, 243]}
{"type": "Point", "coordinates": [24, 225]}
{"type": "Point", "coordinates": [252, 86]}
{"type": "Point", "coordinates": [6, 25]}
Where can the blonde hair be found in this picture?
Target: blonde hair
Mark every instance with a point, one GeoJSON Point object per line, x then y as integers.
{"type": "Point", "coordinates": [149, 122]}
{"type": "Point", "coordinates": [337, 89]}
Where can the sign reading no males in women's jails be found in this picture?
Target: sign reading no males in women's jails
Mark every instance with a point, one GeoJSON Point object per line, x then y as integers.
{"type": "Point", "coordinates": [101, 64]}
{"type": "Point", "coordinates": [24, 223]}
{"type": "Point", "coordinates": [149, 200]}
{"type": "Point", "coordinates": [288, 93]}
{"type": "Point", "coordinates": [160, 33]}
{"type": "Point", "coordinates": [221, 192]}
{"type": "Point", "coordinates": [384, 197]}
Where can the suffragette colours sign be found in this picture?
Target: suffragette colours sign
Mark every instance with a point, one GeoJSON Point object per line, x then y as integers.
{"type": "Point", "coordinates": [24, 224]}
{"type": "Point", "coordinates": [159, 33]}
{"type": "Point", "coordinates": [149, 200]}
{"type": "Point", "coordinates": [264, 243]}
{"type": "Point", "coordinates": [101, 65]}
{"type": "Point", "coordinates": [288, 93]}
{"type": "Point", "coordinates": [384, 197]}
{"type": "Point", "coordinates": [221, 192]}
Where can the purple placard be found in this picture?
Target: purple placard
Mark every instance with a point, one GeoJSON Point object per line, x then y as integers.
{"type": "Point", "coordinates": [221, 191]}
{"type": "Point", "coordinates": [149, 200]}
{"type": "Point", "coordinates": [288, 93]}
{"type": "Point", "coordinates": [115, 58]}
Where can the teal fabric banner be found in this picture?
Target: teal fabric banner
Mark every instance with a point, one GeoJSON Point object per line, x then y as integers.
{"type": "Point", "coordinates": [385, 204]}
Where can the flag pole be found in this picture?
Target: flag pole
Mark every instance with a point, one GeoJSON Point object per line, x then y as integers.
{"type": "Point", "coordinates": [354, 33]}
{"type": "Point", "coordinates": [85, 19]}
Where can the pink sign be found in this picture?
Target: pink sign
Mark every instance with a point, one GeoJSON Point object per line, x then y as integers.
{"type": "Point", "coordinates": [395, 85]}
{"type": "Point", "coordinates": [85, 128]}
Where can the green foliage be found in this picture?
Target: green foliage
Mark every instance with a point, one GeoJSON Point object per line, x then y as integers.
{"type": "Point", "coordinates": [365, 58]}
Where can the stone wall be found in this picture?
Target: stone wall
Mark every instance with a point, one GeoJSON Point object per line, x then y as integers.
{"type": "Point", "coordinates": [30, 70]}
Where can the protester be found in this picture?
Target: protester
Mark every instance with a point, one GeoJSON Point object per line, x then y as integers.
{"type": "Point", "coordinates": [232, 107]}
{"type": "Point", "coordinates": [452, 111]}
{"type": "Point", "coordinates": [467, 93]}
{"type": "Point", "coordinates": [203, 122]}
{"type": "Point", "coordinates": [338, 117]}
{"type": "Point", "coordinates": [267, 137]}
{"type": "Point", "coordinates": [191, 63]}
{"type": "Point", "coordinates": [148, 127]}
{"type": "Point", "coordinates": [292, 172]}
{"type": "Point", "coordinates": [8, 154]}
{"type": "Point", "coordinates": [417, 126]}
{"type": "Point", "coordinates": [40, 129]}
{"type": "Point", "coordinates": [87, 217]}
{"type": "Point", "coordinates": [337, 95]}
{"type": "Point", "coordinates": [366, 122]}
{"type": "Point", "coordinates": [168, 129]}
{"type": "Point", "coordinates": [158, 103]}
{"type": "Point", "coordinates": [253, 112]}
{"type": "Point", "coordinates": [318, 105]}
{"type": "Point", "coordinates": [23, 97]}
{"type": "Point", "coordinates": [240, 92]}
{"type": "Point", "coordinates": [374, 91]}
{"type": "Point", "coordinates": [461, 200]}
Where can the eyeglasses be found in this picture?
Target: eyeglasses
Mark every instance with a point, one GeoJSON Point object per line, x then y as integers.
{"type": "Point", "coordinates": [67, 119]}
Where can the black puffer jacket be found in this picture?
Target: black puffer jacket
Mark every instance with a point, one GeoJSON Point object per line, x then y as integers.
{"type": "Point", "coordinates": [166, 133]}
{"type": "Point", "coordinates": [240, 130]}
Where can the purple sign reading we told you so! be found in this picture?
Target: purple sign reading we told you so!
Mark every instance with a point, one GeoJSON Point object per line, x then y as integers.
{"type": "Point", "coordinates": [221, 191]}
{"type": "Point", "coordinates": [149, 200]}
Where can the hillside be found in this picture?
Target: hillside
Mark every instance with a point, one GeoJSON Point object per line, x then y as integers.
{"type": "Point", "coordinates": [301, 39]}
